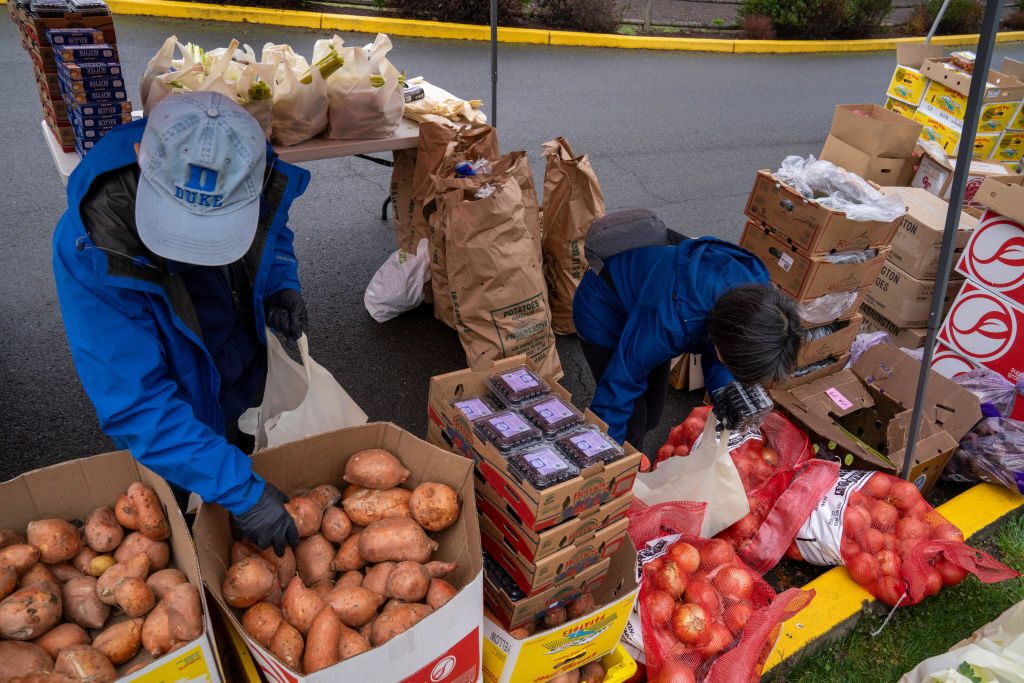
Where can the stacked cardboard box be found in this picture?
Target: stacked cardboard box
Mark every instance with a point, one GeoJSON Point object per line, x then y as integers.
{"type": "Point", "coordinates": [873, 142]}
{"type": "Point", "coordinates": [899, 300]}
{"type": "Point", "coordinates": [807, 249]}
{"type": "Point", "coordinates": [985, 323]}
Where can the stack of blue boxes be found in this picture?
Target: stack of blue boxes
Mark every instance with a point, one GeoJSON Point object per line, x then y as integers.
{"type": "Point", "coordinates": [91, 83]}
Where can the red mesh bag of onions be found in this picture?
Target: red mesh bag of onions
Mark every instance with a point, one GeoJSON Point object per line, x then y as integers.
{"type": "Point", "coordinates": [704, 614]}
{"type": "Point", "coordinates": [893, 543]}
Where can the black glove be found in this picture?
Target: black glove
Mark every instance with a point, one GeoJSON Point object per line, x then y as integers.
{"type": "Point", "coordinates": [286, 313]}
{"type": "Point", "coordinates": [267, 523]}
{"type": "Point", "coordinates": [739, 407]}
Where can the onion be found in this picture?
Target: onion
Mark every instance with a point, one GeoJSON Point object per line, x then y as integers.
{"type": "Point", "coordinates": [877, 486]}
{"type": "Point", "coordinates": [666, 576]}
{"type": "Point", "coordinates": [716, 552]}
{"type": "Point", "coordinates": [719, 637]}
{"type": "Point", "coordinates": [947, 532]}
{"type": "Point", "coordinates": [950, 573]}
{"type": "Point", "coordinates": [889, 562]}
{"type": "Point", "coordinates": [883, 515]}
{"type": "Point", "coordinates": [736, 616]}
{"type": "Point", "coordinates": [770, 456]}
{"type": "Point", "coordinates": [701, 593]}
{"type": "Point", "coordinates": [734, 582]}
{"type": "Point", "coordinates": [659, 606]}
{"type": "Point", "coordinates": [689, 622]}
{"type": "Point", "coordinates": [863, 568]}
{"type": "Point", "coordinates": [685, 557]}
{"type": "Point", "coordinates": [903, 495]}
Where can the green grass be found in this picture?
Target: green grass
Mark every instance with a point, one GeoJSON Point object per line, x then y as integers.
{"type": "Point", "coordinates": [917, 633]}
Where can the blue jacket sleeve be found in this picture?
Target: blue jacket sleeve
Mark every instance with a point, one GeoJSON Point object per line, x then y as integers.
{"type": "Point", "coordinates": [284, 270]}
{"type": "Point", "coordinates": [716, 375]}
{"type": "Point", "coordinates": [120, 359]}
{"type": "Point", "coordinates": [643, 346]}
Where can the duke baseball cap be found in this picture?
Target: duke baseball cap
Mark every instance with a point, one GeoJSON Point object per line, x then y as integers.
{"type": "Point", "coordinates": [202, 161]}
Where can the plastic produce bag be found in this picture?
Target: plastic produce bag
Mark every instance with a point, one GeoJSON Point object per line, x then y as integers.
{"type": "Point", "coordinates": [397, 286]}
{"type": "Point", "coordinates": [440, 106]}
{"type": "Point", "coordinates": [865, 341]}
{"type": "Point", "coordinates": [158, 65]}
{"type": "Point", "coordinates": [299, 110]}
{"type": "Point", "coordinates": [166, 75]}
{"type": "Point", "coordinates": [377, 51]}
{"type": "Point", "coordinates": [299, 400]}
{"type": "Point", "coordinates": [851, 257]}
{"type": "Point", "coordinates": [998, 395]}
{"type": "Point", "coordinates": [819, 332]}
{"type": "Point", "coordinates": [358, 109]}
{"type": "Point", "coordinates": [838, 189]}
{"type": "Point", "coordinates": [826, 308]}
{"type": "Point", "coordinates": [993, 452]}
{"type": "Point", "coordinates": [891, 541]}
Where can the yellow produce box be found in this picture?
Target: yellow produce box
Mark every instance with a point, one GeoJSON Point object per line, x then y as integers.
{"type": "Point", "coordinates": [902, 108]}
{"type": "Point", "coordinates": [908, 84]}
{"type": "Point", "coordinates": [934, 130]}
{"type": "Point", "coordinates": [1010, 148]}
{"type": "Point", "coordinates": [950, 106]}
{"type": "Point", "coordinates": [1017, 123]}
{"type": "Point", "coordinates": [985, 145]}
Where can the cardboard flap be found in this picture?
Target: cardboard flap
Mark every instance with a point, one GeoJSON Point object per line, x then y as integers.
{"type": "Point", "coordinates": [931, 440]}
{"type": "Point", "coordinates": [875, 130]}
{"type": "Point", "coordinates": [826, 395]}
{"type": "Point", "coordinates": [1004, 195]}
{"type": "Point", "coordinates": [1013, 68]}
{"type": "Point", "coordinates": [915, 54]}
{"type": "Point", "coordinates": [893, 373]}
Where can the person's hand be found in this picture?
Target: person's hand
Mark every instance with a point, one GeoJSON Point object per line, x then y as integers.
{"type": "Point", "coordinates": [737, 407]}
{"type": "Point", "coordinates": [267, 524]}
{"type": "Point", "coordinates": [286, 313]}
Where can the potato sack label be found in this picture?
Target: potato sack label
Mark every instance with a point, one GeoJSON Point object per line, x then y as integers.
{"type": "Point", "coordinates": [821, 535]}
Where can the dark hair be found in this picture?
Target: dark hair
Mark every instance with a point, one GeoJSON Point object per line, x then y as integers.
{"type": "Point", "coordinates": [757, 332]}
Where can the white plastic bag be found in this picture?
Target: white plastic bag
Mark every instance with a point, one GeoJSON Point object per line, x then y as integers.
{"type": "Point", "coordinates": [158, 65]}
{"type": "Point", "coordinates": [300, 109]}
{"type": "Point", "coordinates": [299, 400]}
{"type": "Point", "coordinates": [397, 286]}
{"type": "Point", "coordinates": [166, 75]}
{"type": "Point", "coordinates": [358, 110]}
{"type": "Point", "coordinates": [377, 51]}
{"type": "Point", "coordinates": [838, 189]}
{"type": "Point", "coordinates": [707, 475]}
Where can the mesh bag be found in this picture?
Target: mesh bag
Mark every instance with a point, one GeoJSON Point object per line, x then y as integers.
{"type": "Point", "coordinates": [892, 542]}
{"type": "Point", "coordinates": [704, 615]}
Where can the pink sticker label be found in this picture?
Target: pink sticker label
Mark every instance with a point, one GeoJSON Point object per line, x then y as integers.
{"type": "Point", "coordinates": [840, 400]}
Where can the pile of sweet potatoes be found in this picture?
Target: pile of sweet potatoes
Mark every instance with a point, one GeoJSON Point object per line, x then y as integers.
{"type": "Point", "coordinates": [81, 600]}
{"type": "Point", "coordinates": [361, 574]}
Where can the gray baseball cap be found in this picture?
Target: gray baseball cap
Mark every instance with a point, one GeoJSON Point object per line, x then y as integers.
{"type": "Point", "coordinates": [202, 159]}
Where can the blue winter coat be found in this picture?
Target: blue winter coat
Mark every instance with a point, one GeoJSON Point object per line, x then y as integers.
{"type": "Point", "coordinates": [658, 311]}
{"type": "Point", "coordinates": [134, 334]}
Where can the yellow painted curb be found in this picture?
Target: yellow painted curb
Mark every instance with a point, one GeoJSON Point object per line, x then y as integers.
{"type": "Point", "coordinates": [442, 30]}
{"type": "Point", "coordinates": [839, 598]}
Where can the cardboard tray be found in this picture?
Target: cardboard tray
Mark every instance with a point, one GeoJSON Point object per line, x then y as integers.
{"type": "Point", "coordinates": [451, 636]}
{"type": "Point", "coordinates": [71, 491]}
{"type": "Point", "coordinates": [835, 344]}
{"type": "Point", "coordinates": [838, 363]}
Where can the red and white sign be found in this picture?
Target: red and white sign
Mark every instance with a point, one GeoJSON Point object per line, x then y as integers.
{"type": "Point", "coordinates": [987, 329]}
{"type": "Point", "coordinates": [949, 363]}
{"type": "Point", "coordinates": [994, 256]}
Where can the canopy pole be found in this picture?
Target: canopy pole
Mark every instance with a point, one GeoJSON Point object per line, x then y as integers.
{"type": "Point", "coordinates": [983, 60]}
{"type": "Point", "coordinates": [935, 24]}
{"type": "Point", "coordinates": [494, 62]}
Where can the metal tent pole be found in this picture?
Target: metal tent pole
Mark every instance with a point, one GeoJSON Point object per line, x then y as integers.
{"type": "Point", "coordinates": [935, 24]}
{"type": "Point", "coordinates": [494, 63]}
{"type": "Point", "coordinates": [986, 42]}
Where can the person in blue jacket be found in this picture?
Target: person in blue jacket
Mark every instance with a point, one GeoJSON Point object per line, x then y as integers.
{"type": "Point", "coordinates": [173, 256]}
{"type": "Point", "coordinates": [654, 303]}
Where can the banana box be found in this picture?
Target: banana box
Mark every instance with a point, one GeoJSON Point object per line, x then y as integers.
{"type": "Point", "coordinates": [549, 653]}
{"type": "Point", "coordinates": [908, 84]}
{"type": "Point", "coordinates": [1017, 123]}
{"type": "Point", "coordinates": [901, 108]}
{"type": "Point", "coordinates": [938, 132]}
{"type": "Point", "coordinates": [1010, 148]}
{"type": "Point", "coordinates": [948, 89]}
{"type": "Point", "coordinates": [949, 106]}
{"type": "Point", "coordinates": [985, 145]}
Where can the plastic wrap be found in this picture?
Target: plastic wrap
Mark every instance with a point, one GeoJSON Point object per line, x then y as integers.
{"type": "Point", "coordinates": [813, 367]}
{"type": "Point", "coordinates": [826, 308]}
{"type": "Point", "coordinates": [865, 341]}
{"type": "Point", "coordinates": [851, 257]}
{"type": "Point", "coordinates": [820, 332]}
{"type": "Point", "coordinates": [839, 190]}
{"type": "Point", "coordinates": [992, 452]}
{"type": "Point", "coordinates": [992, 389]}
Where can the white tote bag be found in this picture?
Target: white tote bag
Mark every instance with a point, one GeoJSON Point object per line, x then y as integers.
{"type": "Point", "coordinates": [397, 286]}
{"type": "Point", "coordinates": [299, 400]}
{"type": "Point", "coordinates": [706, 475]}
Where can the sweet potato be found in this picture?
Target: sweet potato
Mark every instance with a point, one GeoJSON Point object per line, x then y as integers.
{"type": "Point", "coordinates": [313, 558]}
{"type": "Point", "coordinates": [367, 506]}
{"type": "Point", "coordinates": [60, 637]}
{"type": "Point", "coordinates": [56, 539]}
{"type": "Point", "coordinates": [64, 571]}
{"type": "Point", "coordinates": [434, 506]}
{"type": "Point", "coordinates": [156, 631]}
{"type": "Point", "coordinates": [285, 564]}
{"type": "Point", "coordinates": [354, 605]}
{"type": "Point", "coordinates": [149, 512]}
{"type": "Point", "coordinates": [261, 622]}
{"type": "Point", "coordinates": [375, 468]}
{"type": "Point", "coordinates": [121, 641]}
{"type": "Point", "coordinates": [82, 603]}
{"type": "Point", "coordinates": [348, 556]}
{"type": "Point", "coordinates": [324, 495]}
{"type": "Point", "coordinates": [336, 525]}
{"type": "Point", "coordinates": [133, 596]}
{"type": "Point", "coordinates": [19, 556]}
{"type": "Point", "coordinates": [10, 537]}
{"type": "Point", "coordinates": [322, 587]}
{"type": "Point", "coordinates": [39, 573]}
{"type": "Point", "coordinates": [287, 646]}
{"type": "Point", "coordinates": [50, 677]}
{"type": "Point", "coordinates": [22, 659]}
{"type": "Point", "coordinates": [102, 532]}
{"type": "Point", "coordinates": [408, 582]}
{"type": "Point", "coordinates": [396, 619]}
{"type": "Point", "coordinates": [248, 582]}
{"type": "Point", "coordinates": [134, 543]}
{"type": "Point", "coordinates": [592, 672]}
{"type": "Point", "coordinates": [274, 596]}
{"type": "Point", "coordinates": [185, 613]}
{"type": "Point", "coordinates": [439, 570]}
{"type": "Point", "coordinates": [307, 515]}
{"type": "Point", "coordinates": [300, 605]}
{"type": "Point", "coordinates": [83, 559]}
{"type": "Point", "coordinates": [376, 578]}
{"type": "Point", "coordinates": [554, 617]}
{"type": "Point", "coordinates": [397, 539]}
{"type": "Point", "coordinates": [85, 663]}
{"type": "Point", "coordinates": [243, 549]}
{"type": "Point", "coordinates": [125, 513]}
{"type": "Point", "coordinates": [162, 581]}
{"type": "Point", "coordinates": [350, 491]}
{"type": "Point", "coordinates": [580, 606]}
{"type": "Point", "coordinates": [8, 581]}
{"type": "Point", "coordinates": [351, 579]}
{"type": "Point", "coordinates": [136, 567]}
{"type": "Point", "coordinates": [366, 630]}
{"type": "Point", "coordinates": [351, 643]}
{"type": "Point", "coordinates": [567, 677]}
{"type": "Point", "coordinates": [521, 632]}
{"type": "Point", "coordinates": [440, 592]}
{"type": "Point", "coordinates": [29, 612]}
{"type": "Point", "coordinates": [322, 642]}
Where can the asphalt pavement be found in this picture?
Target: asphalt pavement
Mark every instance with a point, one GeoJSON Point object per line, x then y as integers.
{"type": "Point", "coordinates": [680, 133]}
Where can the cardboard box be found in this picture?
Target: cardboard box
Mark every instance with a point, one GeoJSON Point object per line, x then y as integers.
{"type": "Point", "coordinates": [36, 27]}
{"type": "Point", "coordinates": [837, 364]}
{"type": "Point", "coordinates": [986, 329]}
{"type": "Point", "coordinates": [532, 545]}
{"type": "Point", "coordinates": [809, 320]}
{"type": "Point", "coordinates": [994, 119]}
{"type": "Point", "coordinates": [949, 88]}
{"type": "Point", "coordinates": [985, 145]}
{"type": "Point", "coordinates": [834, 344]}
{"type": "Point", "coordinates": [902, 108]}
{"type": "Point", "coordinates": [908, 83]}
{"type": "Point", "coordinates": [945, 136]}
{"type": "Point", "coordinates": [515, 613]}
{"type": "Point", "coordinates": [992, 257]}
{"type": "Point", "coordinates": [936, 175]}
{"type": "Point", "coordinates": [687, 374]}
{"type": "Point", "coordinates": [1010, 147]}
{"type": "Point", "coordinates": [808, 225]}
{"type": "Point", "coordinates": [908, 338]}
{"type": "Point", "coordinates": [566, 647]}
{"type": "Point", "coordinates": [880, 170]}
{"type": "Point", "coordinates": [72, 490]}
{"type": "Point", "coordinates": [444, 647]}
{"type": "Point", "coordinates": [875, 130]}
{"type": "Point", "coordinates": [918, 238]}
{"type": "Point", "coordinates": [949, 363]}
{"type": "Point", "coordinates": [807, 277]}
{"type": "Point", "coordinates": [557, 568]}
{"type": "Point", "coordinates": [860, 416]}
{"type": "Point", "coordinates": [904, 299]}
{"type": "Point", "coordinates": [537, 509]}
